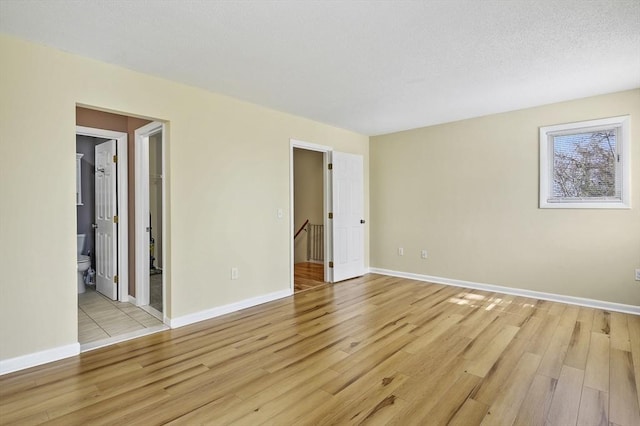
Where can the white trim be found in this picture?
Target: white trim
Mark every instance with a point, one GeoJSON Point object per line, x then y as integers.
{"type": "Point", "coordinates": [37, 358]}
{"type": "Point", "coordinates": [295, 143]}
{"type": "Point", "coordinates": [153, 311]}
{"type": "Point", "coordinates": [123, 212]}
{"type": "Point", "coordinates": [624, 168]}
{"type": "Point", "coordinates": [571, 300]}
{"type": "Point", "coordinates": [122, 338]}
{"type": "Point", "coordinates": [227, 309]}
{"type": "Point", "coordinates": [165, 227]}
{"type": "Point", "coordinates": [142, 210]}
{"type": "Point", "coordinates": [326, 194]}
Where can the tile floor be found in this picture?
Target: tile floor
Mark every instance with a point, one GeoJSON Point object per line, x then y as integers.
{"type": "Point", "coordinates": [100, 318]}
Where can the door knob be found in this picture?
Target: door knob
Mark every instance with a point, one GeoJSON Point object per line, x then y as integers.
{"type": "Point", "coordinates": [94, 226]}
{"type": "Point", "coordinates": [361, 220]}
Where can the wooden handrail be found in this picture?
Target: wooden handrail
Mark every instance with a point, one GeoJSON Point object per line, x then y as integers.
{"type": "Point", "coordinates": [301, 228]}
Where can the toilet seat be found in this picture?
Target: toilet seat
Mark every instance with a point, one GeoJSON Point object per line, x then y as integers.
{"type": "Point", "coordinates": [83, 258]}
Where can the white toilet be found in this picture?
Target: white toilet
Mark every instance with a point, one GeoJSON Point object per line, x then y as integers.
{"type": "Point", "coordinates": [84, 263]}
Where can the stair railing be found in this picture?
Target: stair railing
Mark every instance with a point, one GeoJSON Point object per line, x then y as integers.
{"type": "Point", "coordinates": [304, 225]}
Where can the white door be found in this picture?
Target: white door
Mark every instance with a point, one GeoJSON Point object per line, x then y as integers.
{"type": "Point", "coordinates": [106, 226]}
{"type": "Point", "coordinates": [348, 215]}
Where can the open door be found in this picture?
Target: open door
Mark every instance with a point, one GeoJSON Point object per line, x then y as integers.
{"type": "Point", "coordinates": [348, 215]}
{"type": "Point", "coordinates": [106, 219]}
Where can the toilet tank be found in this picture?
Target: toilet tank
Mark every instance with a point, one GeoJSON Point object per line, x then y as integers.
{"type": "Point", "coordinates": [80, 247]}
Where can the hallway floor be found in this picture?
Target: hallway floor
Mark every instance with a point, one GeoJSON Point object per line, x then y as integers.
{"type": "Point", "coordinates": [308, 275]}
{"type": "Point", "coordinates": [100, 318]}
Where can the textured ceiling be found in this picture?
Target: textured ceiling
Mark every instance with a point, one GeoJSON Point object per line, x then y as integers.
{"type": "Point", "coordinates": [373, 67]}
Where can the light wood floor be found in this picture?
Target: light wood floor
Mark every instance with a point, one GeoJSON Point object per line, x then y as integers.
{"type": "Point", "coordinates": [307, 275]}
{"type": "Point", "coordinates": [375, 350]}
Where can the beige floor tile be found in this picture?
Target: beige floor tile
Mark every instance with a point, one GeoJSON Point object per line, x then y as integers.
{"type": "Point", "coordinates": [100, 318]}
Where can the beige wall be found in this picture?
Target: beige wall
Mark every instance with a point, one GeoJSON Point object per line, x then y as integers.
{"type": "Point", "coordinates": [308, 195]}
{"type": "Point", "coordinates": [227, 174]}
{"type": "Point", "coordinates": [468, 193]}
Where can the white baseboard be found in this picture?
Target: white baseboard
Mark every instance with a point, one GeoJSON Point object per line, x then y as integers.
{"type": "Point", "coordinates": [572, 300]}
{"type": "Point", "coordinates": [37, 358]}
{"type": "Point", "coordinates": [122, 338]}
{"type": "Point", "coordinates": [31, 360]}
{"type": "Point", "coordinates": [227, 309]}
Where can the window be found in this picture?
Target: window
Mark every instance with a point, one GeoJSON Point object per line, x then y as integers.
{"type": "Point", "coordinates": [585, 165]}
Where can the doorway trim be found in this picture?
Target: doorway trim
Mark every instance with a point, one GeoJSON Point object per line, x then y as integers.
{"type": "Point", "coordinates": [141, 166]}
{"type": "Point", "coordinates": [123, 219]}
{"type": "Point", "coordinates": [326, 206]}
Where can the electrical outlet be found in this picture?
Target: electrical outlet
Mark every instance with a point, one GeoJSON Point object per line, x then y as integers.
{"type": "Point", "coordinates": [423, 254]}
{"type": "Point", "coordinates": [637, 274]}
{"type": "Point", "coordinates": [400, 251]}
{"type": "Point", "coordinates": [234, 273]}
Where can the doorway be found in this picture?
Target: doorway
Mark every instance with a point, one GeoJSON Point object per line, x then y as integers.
{"type": "Point", "coordinates": [125, 318]}
{"type": "Point", "coordinates": [149, 218]}
{"type": "Point", "coordinates": [311, 152]}
{"type": "Point", "coordinates": [342, 212]}
{"type": "Point", "coordinates": [308, 219]}
{"type": "Point", "coordinates": [104, 314]}
{"type": "Point", "coordinates": [109, 256]}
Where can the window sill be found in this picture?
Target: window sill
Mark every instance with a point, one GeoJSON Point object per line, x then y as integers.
{"type": "Point", "coordinates": [585, 205]}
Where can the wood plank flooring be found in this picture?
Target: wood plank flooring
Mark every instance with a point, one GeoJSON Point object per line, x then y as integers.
{"type": "Point", "coordinates": [374, 350]}
{"type": "Point", "coordinates": [307, 275]}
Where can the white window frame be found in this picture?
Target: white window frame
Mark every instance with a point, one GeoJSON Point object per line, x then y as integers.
{"type": "Point", "coordinates": [623, 149]}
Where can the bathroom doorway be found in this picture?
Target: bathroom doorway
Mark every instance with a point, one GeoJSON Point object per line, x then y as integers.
{"type": "Point", "coordinates": [101, 320]}
{"type": "Point", "coordinates": [85, 203]}
{"type": "Point", "coordinates": [104, 314]}
{"type": "Point", "coordinates": [105, 232]}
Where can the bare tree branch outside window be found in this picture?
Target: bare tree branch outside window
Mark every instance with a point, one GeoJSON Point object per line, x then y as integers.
{"type": "Point", "coordinates": [584, 165]}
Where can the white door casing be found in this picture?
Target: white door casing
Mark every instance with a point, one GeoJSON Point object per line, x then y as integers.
{"type": "Point", "coordinates": [142, 209]}
{"type": "Point", "coordinates": [348, 215]}
{"type": "Point", "coordinates": [106, 210]}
